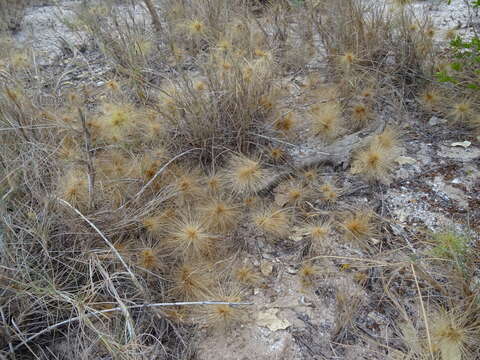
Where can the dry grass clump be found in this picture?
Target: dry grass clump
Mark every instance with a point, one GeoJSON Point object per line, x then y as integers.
{"type": "Point", "coordinates": [224, 110]}
{"type": "Point", "coordinates": [396, 41]}
{"type": "Point", "coordinates": [156, 187]}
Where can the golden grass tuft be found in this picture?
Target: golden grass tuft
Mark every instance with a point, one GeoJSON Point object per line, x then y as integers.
{"type": "Point", "coordinates": [189, 238]}
{"type": "Point", "coordinates": [374, 162]}
{"type": "Point", "coordinates": [247, 275]}
{"type": "Point", "coordinates": [73, 187]}
{"type": "Point", "coordinates": [223, 316]}
{"type": "Point", "coordinates": [191, 281]}
{"type": "Point", "coordinates": [454, 334]}
{"type": "Point", "coordinates": [308, 273]}
{"type": "Point", "coordinates": [273, 220]}
{"type": "Point", "coordinates": [359, 225]}
{"type": "Point", "coordinates": [245, 175]}
{"type": "Point", "coordinates": [326, 120]}
{"type": "Point", "coordinates": [148, 259]}
{"type": "Point", "coordinates": [220, 215]}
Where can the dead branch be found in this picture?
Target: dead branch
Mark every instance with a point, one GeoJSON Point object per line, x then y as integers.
{"type": "Point", "coordinates": [336, 154]}
{"type": "Point", "coordinates": [89, 161]}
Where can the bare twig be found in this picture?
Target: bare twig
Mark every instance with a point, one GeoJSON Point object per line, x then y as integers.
{"type": "Point", "coordinates": [142, 306]}
{"type": "Point", "coordinates": [90, 166]}
{"type": "Point", "coordinates": [424, 312]}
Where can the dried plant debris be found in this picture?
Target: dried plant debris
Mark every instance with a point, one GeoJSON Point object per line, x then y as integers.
{"type": "Point", "coordinates": [218, 179]}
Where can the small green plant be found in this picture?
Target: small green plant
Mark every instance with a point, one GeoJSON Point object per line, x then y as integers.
{"type": "Point", "coordinates": [451, 245]}
{"type": "Point", "coordinates": [464, 68]}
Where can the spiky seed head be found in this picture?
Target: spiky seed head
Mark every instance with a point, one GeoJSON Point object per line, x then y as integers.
{"type": "Point", "coordinates": [245, 175]}
{"type": "Point", "coordinates": [222, 316]}
{"type": "Point", "coordinates": [318, 231]}
{"type": "Point", "coordinates": [113, 165]}
{"type": "Point", "coordinates": [158, 224]}
{"type": "Point", "coordinates": [199, 85]}
{"type": "Point", "coordinates": [220, 215]}
{"type": "Point", "coordinates": [224, 45]}
{"type": "Point", "coordinates": [361, 114]}
{"type": "Point", "coordinates": [388, 139]}
{"type": "Point", "coordinates": [285, 123]}
{"type": "Point", "coordinates": [251, 201]}
{"type": "Point", "coordinates": [117, 121]}
{"type": "Point", "coordinates": [69, 148]}
{"type": "Point", "coordinates": [326, 120]}
{"type": "Point", "coordinates": [196, 27]}
{"type": "Point", "coordinates": [247, 72]}
{"type": "Point", "coordinates": [188, 186]}
{"type": "Point", "coordinates": [310, 175]}
{"type": "Point", "coordinates": [374, 163]}
{"type": "Point", "coordinates": [329, 192]}
{"type": "Point", "coordinates": [292, 192]}
{"type": "Point", "coordinates": [359, 225]}
{"type": "Point", "coordinates": [348, 59]}
{"type": "Point", "coordinates": [367, 94]}
{"type": "Point", "coordinates": [189, 238]}
{"type": "Point", "coordinates": [267, 102]}
{"type": "Point", "coordinates": [112, 85]}
{"type": "Point", "coordinates": [430, 99]}
{"type": "Point", "coordinates": [430, 32]}
{"type": "Point", "coordinates": [226, 66]}
{"type": "Point", "coordinates": [450, 34]}
{"type": "Point", "coordinates": [214, 183]}
{"type": "Point", "coordinates": [308, 272]}
{"type": "Point", "coordinates": [148, 259]}
{"type": "Point", "coordinates": [277, 154]}
{"type": "Point", "coordinates": [461, 111]}
{"type": "Point", "coordinates": [413, 28]}
{"type": "Point", "coordinates": [73, 188]}
{"type": "Point", "coordinates": [191, 281]}
{"type": "Point", "coordinates": [246, 275]}
{"type": "Point", "coordinates": [273, 221]}
{"type": "Point", "coordinates": [455, 334]}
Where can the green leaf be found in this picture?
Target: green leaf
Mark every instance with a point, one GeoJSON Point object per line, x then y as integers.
{"type": "Point", "coordinates": [442, 76]}
{"type": "Point", "coordinates": [456, 66]}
